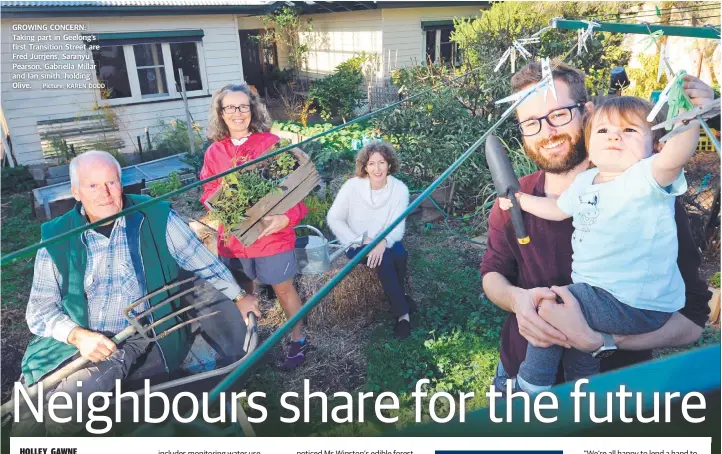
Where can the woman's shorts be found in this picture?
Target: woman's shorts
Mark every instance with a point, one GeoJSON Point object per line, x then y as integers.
{"type": "Point", "coordinates": [270, 270]}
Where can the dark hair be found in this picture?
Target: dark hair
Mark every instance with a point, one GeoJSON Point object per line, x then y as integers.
{"type": "Point", "coordinates": [532, 73]}
{"type": "Point", "coordinates": [630, 109]}
{"type": "Point", "coordinates": [260, 120]}
{"type": "Point", "coordinates": [377, 146]}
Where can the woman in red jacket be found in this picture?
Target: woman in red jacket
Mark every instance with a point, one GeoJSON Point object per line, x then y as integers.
{"type": "Point", "coordinates": [238, 124]}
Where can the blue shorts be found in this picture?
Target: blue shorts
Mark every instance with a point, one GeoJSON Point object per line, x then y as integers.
{"type": "Point", "coordinates": [270, 270]}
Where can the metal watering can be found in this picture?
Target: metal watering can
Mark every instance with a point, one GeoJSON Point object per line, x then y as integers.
{"type": "Point", "coordinates": [312, 252]}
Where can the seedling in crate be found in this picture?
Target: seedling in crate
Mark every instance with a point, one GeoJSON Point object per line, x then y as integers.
{"type": "Point", "coordinates": [270, 187]}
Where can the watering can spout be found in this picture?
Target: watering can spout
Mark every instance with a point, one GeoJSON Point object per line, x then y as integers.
{"type": "Point", "coordinates": [356, 241]}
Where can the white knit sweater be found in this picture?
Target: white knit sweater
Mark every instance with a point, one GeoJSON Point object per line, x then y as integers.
{"type": "Point", "coordinates": [358, 209]}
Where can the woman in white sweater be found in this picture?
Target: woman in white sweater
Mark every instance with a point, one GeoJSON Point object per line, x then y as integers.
{"type": "Point", "coordinates": [369, 202]}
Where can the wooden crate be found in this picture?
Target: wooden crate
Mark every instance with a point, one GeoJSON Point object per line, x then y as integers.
{"type": "Point", "coordinates": [294, 189]}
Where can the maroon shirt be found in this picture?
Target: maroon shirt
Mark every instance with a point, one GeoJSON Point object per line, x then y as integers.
{"type": "Point", "coordinates": [547, 261]}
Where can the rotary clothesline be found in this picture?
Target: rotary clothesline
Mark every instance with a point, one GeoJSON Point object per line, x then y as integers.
{"type": "Point", "coordinates": [545, 84]}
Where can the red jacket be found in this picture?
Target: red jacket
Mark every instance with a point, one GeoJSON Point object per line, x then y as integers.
{"type": "Point", "coordinates": [221, 156]}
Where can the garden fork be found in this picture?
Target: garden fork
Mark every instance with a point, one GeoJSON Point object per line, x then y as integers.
{"type": "Point", "coordinates": [136, 325]}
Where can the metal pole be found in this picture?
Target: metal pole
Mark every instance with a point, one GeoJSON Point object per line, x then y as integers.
{"type": "Point", "coordinates": [147, 139]}
{"type": "Point", "coordinates": [640, 29]}
{"type": "Point", "coordinates": [188, 112]}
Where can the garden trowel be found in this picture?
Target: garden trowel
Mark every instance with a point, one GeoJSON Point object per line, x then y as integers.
{"type": "Point", "coordinates": [505, 182]}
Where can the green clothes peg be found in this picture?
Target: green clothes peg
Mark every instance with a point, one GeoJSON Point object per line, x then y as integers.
{"type": "Point", "coordinates": [651, 39]}
{"type": "Point", "coordinates": [677, 98]}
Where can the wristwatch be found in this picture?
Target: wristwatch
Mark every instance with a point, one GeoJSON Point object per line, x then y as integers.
{"type": "Point", "coordinates": [607, 348]}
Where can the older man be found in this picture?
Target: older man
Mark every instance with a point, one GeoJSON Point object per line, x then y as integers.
{"type": "Point", "coordinates": [81, 286]}
{"type": "Point", "coordinates": [517, 278]}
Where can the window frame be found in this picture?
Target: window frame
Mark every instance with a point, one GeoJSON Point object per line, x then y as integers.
{"type": "Point", "coordinates": [173, 94]}
{"type": "Point", "coordinates": [456, 60]}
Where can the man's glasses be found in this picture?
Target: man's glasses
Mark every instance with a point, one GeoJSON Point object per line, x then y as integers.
{"type": "Point", "coordinates": [557, 117]}
{"type": "Point", "coordinates": [243, 108]}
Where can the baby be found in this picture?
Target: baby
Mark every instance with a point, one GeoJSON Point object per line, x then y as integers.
{"type": "Point", "coordinates": [624, 262]}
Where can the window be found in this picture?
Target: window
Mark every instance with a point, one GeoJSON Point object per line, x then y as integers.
{"type": "Point", "coordinates": [145, 66]}
{"type": "Point", "coordinates": [111, 70]}
{"type": "Point", "coordinates": [440, 49]}
{"type": "Point", "coordinates": [151, 70]}
{"type": "Point", "coordinates": [185, 57]}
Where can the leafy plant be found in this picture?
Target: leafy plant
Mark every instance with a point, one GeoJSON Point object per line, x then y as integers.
{"type": "Point", "coordinates": [195, 160]}
{"type": "Point", "coordinates": [318, 206]}
{"type": "Point", "coordinates": [281, 165]}
{"type": "Point", "coordinates": [643, 81]}
{"type": "Point", "coordinates": [285, 28]}
{"type": "Point", "coordinates": [16, 180]}
{"type": "Point", "coordinates": [171, 138]}
{"type": "Point", "coordinates": [340, 93]}
{"type": "Point", "coordinates": [334, 153]}
{"type": "Point", "coordinates": [714, 280]}
{"type": "Point", "coordinates": [62, 150]}
{"type": "Point", "coordinates": [169, 184]}
{"type": "Point", "coordinates": [242, 189]}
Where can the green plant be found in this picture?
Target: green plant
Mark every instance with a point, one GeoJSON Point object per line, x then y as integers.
{"type": "Point", "coordinates": [239, 192]}
{"type": "Point", "coordinates": [340, 93]}
{"type": "Point", "coordinates": [318, 206]}
{"type": "Point", "coordinates": [285, 28]}
{"type": "Point", "coordinates": [161, 187]}
{"type": "Point", "coordinates": [195, 160]}
{"type": "Point", "coordinates": [242, 189]}
{"type": "Point", "coordinates": [16, 180]}
{"type": "Point", "coordinates": [62, 151]}
{"type": "Point", "coordinates": [281, 165]}
{"type": "Point", "coordinates": [714, 280]}
{"type": "Point", "coordinates": [643, 81]}
{"type": "Point", "coordinates": [334, 153]}
{"type": "Point", "coordinates": [172, 138]}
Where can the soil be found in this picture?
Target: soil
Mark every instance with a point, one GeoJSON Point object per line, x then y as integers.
{"type": "Point", "coordinates": [703, 179]}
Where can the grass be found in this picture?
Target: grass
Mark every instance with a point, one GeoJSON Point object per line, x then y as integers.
{"type": "Point", "coordinates": [454, 343]}
{"type": "Point", "coordinates": [456, 333]}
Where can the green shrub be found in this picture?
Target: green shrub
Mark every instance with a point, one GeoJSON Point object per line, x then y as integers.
{"type": "Point", "coordinates": [714, 280]}
{"type": "Point", "coordinates": [16, 180]}
{"type": "Point", "coordinates": [172, 139]}
{"type": "Point", "coordinates": [340, 93]}
{"type": "Point", "coordinates": [318, 206]}
{"type": "Point", "coordinates": [161, 187]}
{"type": "Point", "coordinates": [195, 160]}
{"type": "Point", "coordinates": [333, 154]}
{"type": "Point", "coordinates": [644, 80]}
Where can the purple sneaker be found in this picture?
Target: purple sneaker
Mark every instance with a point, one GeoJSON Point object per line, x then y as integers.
{"type": "Point", "coordinates": [296, 354]}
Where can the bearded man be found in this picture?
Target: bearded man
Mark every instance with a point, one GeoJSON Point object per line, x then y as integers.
{"type": "Point", "coordinates": [518, 278]}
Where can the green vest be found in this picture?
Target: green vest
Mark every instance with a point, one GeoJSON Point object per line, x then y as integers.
{"type": "Point", "coordinates": [45, 354]}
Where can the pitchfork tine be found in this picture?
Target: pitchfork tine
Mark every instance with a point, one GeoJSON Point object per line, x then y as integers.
{"type": "Point", "coordinates": [160, 304]}
{"type": "Point", "coordinates": [176, 313]}
{"type": "Point", "coordinates": [165, 288]}
{"type": "Point", "coordinates": [166, 332]}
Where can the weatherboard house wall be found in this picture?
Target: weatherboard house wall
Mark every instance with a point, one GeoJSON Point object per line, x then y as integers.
{"type": "Point", "coordinates": [28, 110]}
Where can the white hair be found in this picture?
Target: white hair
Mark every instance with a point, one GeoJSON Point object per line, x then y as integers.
{"type": "Point", "coordinates": [88, 156]}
